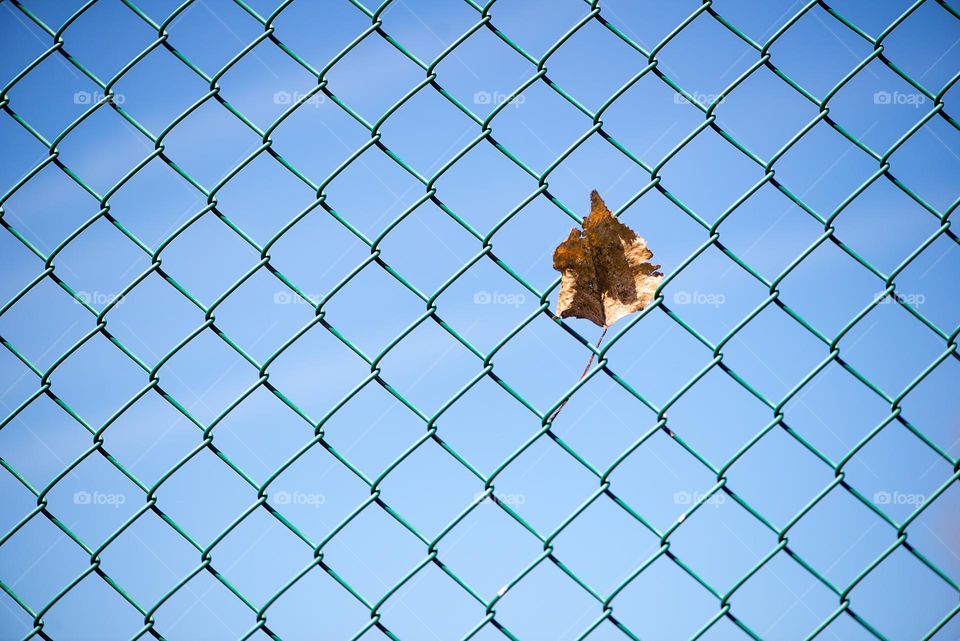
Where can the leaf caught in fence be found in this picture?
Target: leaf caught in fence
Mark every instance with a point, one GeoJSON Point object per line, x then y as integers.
{"type": "Point", "coordinates": [605, 268]}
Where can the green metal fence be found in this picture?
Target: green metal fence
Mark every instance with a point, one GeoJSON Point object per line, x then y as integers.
{"type": "Point", "coordinates": [593, 121]}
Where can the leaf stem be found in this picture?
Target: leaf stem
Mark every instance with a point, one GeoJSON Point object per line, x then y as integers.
{"type": "Point", "coordinates": [585, 370]}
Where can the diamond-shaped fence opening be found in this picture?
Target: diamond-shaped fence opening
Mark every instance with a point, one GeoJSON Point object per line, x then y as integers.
{"type": "Point", "coordinates": [280, 358]}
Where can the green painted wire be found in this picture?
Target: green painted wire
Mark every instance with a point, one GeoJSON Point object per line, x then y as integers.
{"type": "Point", "coordinates": [539, 67]}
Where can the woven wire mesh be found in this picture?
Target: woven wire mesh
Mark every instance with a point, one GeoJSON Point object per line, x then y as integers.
{"type": "Point", "coordinates": [485, 129]}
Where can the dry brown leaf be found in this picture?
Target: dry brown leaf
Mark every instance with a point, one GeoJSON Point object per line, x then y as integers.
{"type": "Point", "coordinates": [605, 268]}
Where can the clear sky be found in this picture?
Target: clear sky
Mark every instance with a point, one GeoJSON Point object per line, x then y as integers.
{"type": "Point", "coordinates": [714, 466]}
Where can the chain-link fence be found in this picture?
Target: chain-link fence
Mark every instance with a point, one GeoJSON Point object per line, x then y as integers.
{"type": "Point", "coordinates": [40, 367]}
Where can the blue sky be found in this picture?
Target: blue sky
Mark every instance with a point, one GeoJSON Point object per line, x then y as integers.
{"type": "Point", "coordinates": [872, 455]}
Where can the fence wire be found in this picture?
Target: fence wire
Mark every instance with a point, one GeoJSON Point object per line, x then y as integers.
{"type": "Point", "coordinates": [593, 122]}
